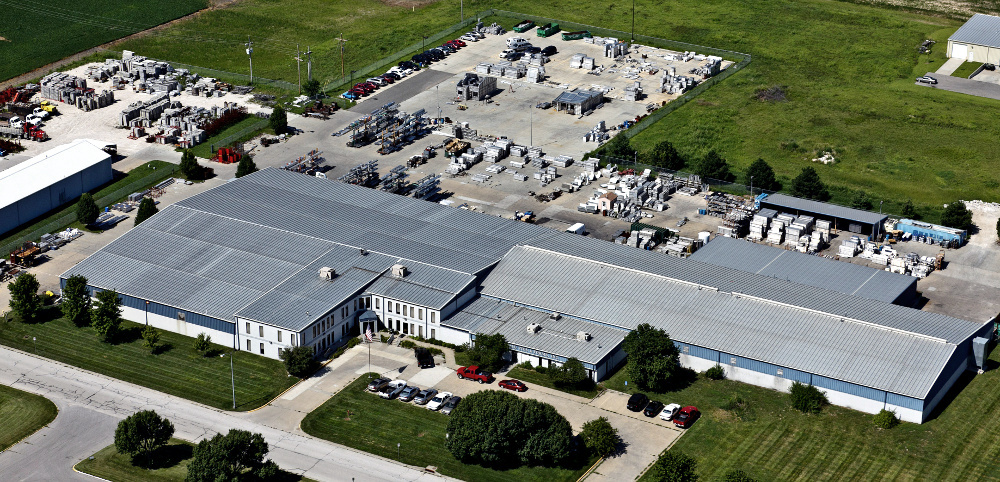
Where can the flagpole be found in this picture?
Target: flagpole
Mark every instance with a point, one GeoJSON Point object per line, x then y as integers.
{"type": "Point", "coordinates": [369, 353]}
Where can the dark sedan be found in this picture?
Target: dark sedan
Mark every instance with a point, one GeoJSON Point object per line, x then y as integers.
{"type": "Point", "coordinates": [637, 402]}
{"type": "Point", "coordinates": [653, 409]}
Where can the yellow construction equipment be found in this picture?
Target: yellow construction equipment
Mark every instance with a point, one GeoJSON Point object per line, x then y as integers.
{"type": "Point", "coordinates": [48, 106]}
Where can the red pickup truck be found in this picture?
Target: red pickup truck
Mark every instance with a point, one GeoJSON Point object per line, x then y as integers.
{"type": "Point", "coordinates": [474, 373]}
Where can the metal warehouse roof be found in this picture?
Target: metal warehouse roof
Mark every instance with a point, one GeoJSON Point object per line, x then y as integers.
{"type": "Point", "coordinates": [728, 280]}
{"type": "Point", "coordinates": [556, 337]}
{"type": "Point", "coordinates": [46, 169]}
{"type": "Point", "coordinates": [826, 209]}
{"type": "Point", "coordinates": [577, 96]}
{"type": "Point", "coordinates": [805, 269]}
{"type": "Point", "coordinates": [979, 30]}
{"type": "Point", "coordinates": [856, 352]}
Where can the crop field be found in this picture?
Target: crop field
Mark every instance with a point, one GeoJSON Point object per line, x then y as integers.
{"type": "Point", "coordinates": [33, 34]}
{"type": "Point", "coordinates": [846, 69]}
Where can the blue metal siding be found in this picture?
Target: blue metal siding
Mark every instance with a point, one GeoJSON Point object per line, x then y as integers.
{"type": "Point", "coordinates": [905, 402]}
{"type": "Point", "coordinates": [958, 360]}
{"type": "Point", "coordinates": [849, 388]}
{"type": "Point", "coordinates": [171, 312]}
{"type": "Point", "coordinates": [796, 375]}
{"type": "Point", "coordinates": [697, 351]}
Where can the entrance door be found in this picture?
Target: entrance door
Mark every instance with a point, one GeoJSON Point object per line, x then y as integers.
{"type": "Point", "coordinates": [960, 51]}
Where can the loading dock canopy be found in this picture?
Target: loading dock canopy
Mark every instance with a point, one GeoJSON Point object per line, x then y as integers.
{"type": "Point", "coordinates": [823, 210]}
{"type": "Point", "coordinates": [979, 30]}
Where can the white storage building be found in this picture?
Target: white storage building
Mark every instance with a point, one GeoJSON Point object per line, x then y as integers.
{"type": "Point", "coordinates": [977, 41]}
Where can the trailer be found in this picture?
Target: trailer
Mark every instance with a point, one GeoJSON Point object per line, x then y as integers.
{"type": "Point", "coordinates": [577, 35]}
{"type": "Point", "coordinates": [548, 29]}
{"type": "Point", "coordinates": [524, 26]}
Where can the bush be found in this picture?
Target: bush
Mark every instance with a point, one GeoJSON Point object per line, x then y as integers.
{"type": "Point", "coordinates": [807, 398]}
{"type": "Point", "coordinates": [246, 166]}
{"type": "Point", "coordinates": [737, 475]}
{"type": "Point", "coordinates": [299, 361]}
{"type": "Point", "coordinates": [76, 303]}
{"type": "Point", "coordinates": [147, 208]}
{"type": "Point", "coordinates": [809, 186]}
{"type": "Point", "coordinates": [740, 408]}
{"type": "Point", "coordinates": [86, 209]}
{"type": "Point", "coordinates": [571, 374]}
{"type": "Point", "coordinates": [885, 419]}
{"type": "Point", "coordinates": [653, 358]}
{"type": "Point", "coordinates": [229, 457]}
{"type": "Point", "coordinates": [957, 216]}
{"type": "Point", "coordinates": [600, 437]}
{"type": "Point", "coordinates": [202, 343]}
{"type": "Point", "coordinates": [488, 351]}
{"type": "Point", "coordinates": [541, 369]}
{"type": "Point", "coordinates": [715, 373]}
{"type": "Point", "coordinates": [713, 166]}
{"type": "Point", "coordinates": [436, 351]}
{"type": "Point", "coordinates": [526, 365]}
{"type": "Point", "coordinates": [150, 337]}
{"type": "Point", "coordinates": [674, 466]}
{"type": "Point", "coordinates": [190, 168]}
{"type": "Point", "coordinates": [435, 341]}
{"type": "Point", "coordinates": [407, 344]}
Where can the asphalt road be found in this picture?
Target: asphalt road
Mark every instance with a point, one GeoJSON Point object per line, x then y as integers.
{"type": "Point", "coordinates": [964, 86]}
{"type": "Point", "coordinates": [91, 405]}
{"type": "Point", "coordinates": [407, 88]}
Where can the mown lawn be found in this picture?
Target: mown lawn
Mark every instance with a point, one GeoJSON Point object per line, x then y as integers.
{"type": "Point", "coordinates": [21, 414]}
{"type": "Point", "coordinates": [176, 369]}
{"type": "Point", "coordinates": [774, 442]}
{"type": "Point", "coordinates": [169, 464]}
{"type": "Point", "coordinates": [532, 377]}
{"type": "Point", "coordinates": [36, 34]}
{"type": "Point", "coordinates": [364, 421]}
{"type": "Point", "coordinates": [207, 149]}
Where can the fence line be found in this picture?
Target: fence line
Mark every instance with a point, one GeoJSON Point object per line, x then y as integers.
{"type": "Point", "coordinates": [247, 131]}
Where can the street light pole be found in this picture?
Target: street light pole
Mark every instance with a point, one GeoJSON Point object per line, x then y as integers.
{"type": "Point", "coordinates": [249, 46]}
{"type": "Point", "coordinates": [879, 228]}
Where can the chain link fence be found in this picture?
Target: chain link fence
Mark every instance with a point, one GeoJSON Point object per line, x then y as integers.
{"type": "Point", "coordinates": [242, 135]}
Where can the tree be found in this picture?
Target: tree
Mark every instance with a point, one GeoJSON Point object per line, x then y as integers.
{"type": "Point", "coordinates": [885, 419]}
{"type": "Point", "coordinates": [488, 351]}
{"type": "Point", "coordinates": [190, 167]}
{"type": "Point", "coordinates": [619, 148]}
{"type": "Point", "coordinates": [652, 357]}
{"type": "Point", "coordinates": [141, 433]}
{"type": "Point", "coordinates": [495, 428]}
{"type": "Point", "coordinates": [24, 298]}
{"type": "Point", "coordinates": [150, 337]}
{"type": "Point", "coordinates": [808, 185]}
{"type": "Point", "coordinates": [298, 360]}
{"type": "Point", "coordinates": [761, 176]}
{"type": "Point", "coordinates": [713, 166]}
{"type": "Point", "coordinates": [674, 466]}
{"type": "Point", "coordinates": [571, 374]}
{"type": "Point", "coordinates": [861, 201]}
{"type": "Point", "coordinates": [246, 166]}
{"type": "Point", "coordinates": [807, 398]}
{"type": "Point", "coordinates": [600, 437]}
{"type": "Point", "coordinates": [998, 230]}
{"type": "Point", "coordinates": [666, 156]}
{"type": "Point", "coordinates": [715, 373]}
{"type": "Point", "coordinates": [278, 120]}
{"type": "Point", "coordinates": [908, 211]}
{"type": "Point", "coordinates": [76, 303]}
{"type": "Point", "coordinates": [147, 208]}
{"type": "Point", "coordinates": [737, 475]}
{"type": "Point", "coordinates": [311, 87]}
{"type": "Point", "coordinates": [956, 215]}
{"type": "Point", "coordinates": [86, 209]}
{"type": "Point", "coordinates": [107, 316]}
{"type": "Point", "coordinates": [202, 343]}
{"type": "Point", "coordinates": [228, 457]}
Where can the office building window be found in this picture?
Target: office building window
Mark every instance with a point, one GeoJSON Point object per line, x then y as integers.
{"type": "Point", "coordinates": [261, 348]}
{"type": "Point", "coordinates": [397, 308]}
{"type": "Point", "coordinates": [248, 327]}
{"type": "Point", "coordinates": [248, 345]}
{"type": "Point", "coordinates": [377, 303]}
{"type": "Point", "coordinates": [411, 312]}
{"type": "Point", "coordinates": [291, 339]}
{"type": "Point", "coordinates": [433, 317]}
{"type": "Point", "coordinates": [433, 332]}
{"type": "Point", "coordinates": [420, 313]}
{"type": "Point", "coordinates": [260, 331]}
{"type": "Point", "coordinates": [279, 335]}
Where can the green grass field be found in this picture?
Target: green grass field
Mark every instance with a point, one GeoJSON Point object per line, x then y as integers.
{"type": "Point", "coordinates": [206, 149]}
{"type": "Point", "coordinates": [178, 369]}
{"type": "Point", "coordinates": [21, 414]}
{"type": "Point", "coordinates": [966, 69]}
{"type": "Point", "coordinates": [170, 465]}
{"type": "Point", "coordinates": [774, 442]}
{"type": "Point", "coordinates": [36, 34]}
{"type": "Point", "coordinates": [363, 421]}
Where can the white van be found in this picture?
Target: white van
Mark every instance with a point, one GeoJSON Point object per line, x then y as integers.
{"type": "Point", "coordinates": [517, 43]}
{"type": "Point", "coordinates": [577, 228]}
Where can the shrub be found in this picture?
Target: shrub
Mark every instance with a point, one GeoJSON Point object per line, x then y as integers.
{"type": "Point", "coordinates": [570, 374]}
{"type": "Point", "coordinates": [190, 168]}
{"type": "Point", "coordinates": [150, 337]}
{"type": "Point", "coordinates": [956, 215]}
{"type": "Point", "coordinates": [246, 166]}
{"type": "Point", "coordinates": [278, 120]}
{"type": "Point", "coordinates": [737, 475]}
{"type": "Point", "coordinates": [715, 373]}
{"type": "Point", "coordinates": [600, 437]}
{"type": "Point", "coordinates": [885, 419]}
{"type": "Point", "coordinates": [807, 398]}
{"type": "Point", "coordinates": [86, 209]}
{"type": "Point", "coordinates": [76, 302]}
{"type": "Point", "coordinates": [674, 466]}
{"type": "Point", "coordinates": [541, 369]}
{"type": "Point", "coordinates": [299, 361]}
{"type": "Point", "coordinates": [488, 351]}
{"type": "Point", "coordinates": [525, 365]}
{"type": "Point", "coordinates": [653, 357]}
{"type": "Point", "coordinates": [809, 186]}
{"type": "Point", "coordinates": [436, 351]}
{"type": "Point", "coordinates": [147, 208]}
{"type": "Point", "coordinates": [202, 343]}
{"type": "Point", "coordinates": [740, 408]}
{"type": "Point", "coordinates": [407, 344]}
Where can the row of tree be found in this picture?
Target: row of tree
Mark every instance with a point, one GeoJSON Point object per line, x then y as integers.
{"type": "Point", "coordinates": [104, 315]}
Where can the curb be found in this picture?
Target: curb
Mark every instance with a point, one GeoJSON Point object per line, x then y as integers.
{"type": "Point", "coordinates": [88, 475]}
{"type": "Point", "coordinates": [592, 469]}
{"type": "Point", "coordinates": [39, 428]}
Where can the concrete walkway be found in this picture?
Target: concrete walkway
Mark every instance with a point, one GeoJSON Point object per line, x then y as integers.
{"type": "Point", "coordinates": [950, 66]}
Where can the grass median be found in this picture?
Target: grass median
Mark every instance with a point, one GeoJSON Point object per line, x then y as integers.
{"type": "Point", "coordinates": [361, 420]}
{"type": "Point", "coordinates": [176, 369]}
{"type": "Point", "coordinates": [21, 414]}
{"type": "Point", "coordinates": [757, 430]}
{"type": "Point", "coordinates": [533, 377]}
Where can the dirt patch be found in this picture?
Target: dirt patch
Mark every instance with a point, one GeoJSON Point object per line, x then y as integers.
{"type": "Point", "coordinates": [3, 39]}
{"type": "Point", "coordinates": [407, 3]}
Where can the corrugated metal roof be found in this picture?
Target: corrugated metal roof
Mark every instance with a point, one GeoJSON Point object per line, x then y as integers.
{"type": "Point", "coordinates": [783, 202]}
{"type": "Point", "coordinates": [979, 30]}
{"type": "Point", "coordinates": [48, 168]}
{"type": "Point", "coordinates": [839, 276]}
{"type": "Point", "coordinates": [953, 330]}
{"type": "Point", "coordinates": [576, 96]}
{"type": "Point", "coordinates": [783, 335]}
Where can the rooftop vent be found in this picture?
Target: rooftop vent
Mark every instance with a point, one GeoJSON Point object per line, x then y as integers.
{"type": "Point", "coordinates": [555, 316]}
{"type": "Point", "coordinates": [534, 328]}
{"type": "Point", "coordinates": [582, 336]}
{"type": "Point", "coordinates": [398, 270]}
{"type": "Point", "coordinates": [364, 252]}
{"type": "Point", "coordinates": [327, 273]}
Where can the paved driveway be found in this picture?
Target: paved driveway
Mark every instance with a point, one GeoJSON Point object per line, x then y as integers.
{"type": "Point", "coordinates": [964, 86]}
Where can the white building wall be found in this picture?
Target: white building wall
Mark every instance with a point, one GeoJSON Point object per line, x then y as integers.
{"type": "Point", "coordinates": [174, 325]}
{"type": "Point", "coordinates": [256, 337]}
{"type": "Point", "coordinates": [451, 335]}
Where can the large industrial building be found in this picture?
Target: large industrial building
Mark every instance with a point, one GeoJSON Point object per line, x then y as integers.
{"type": "Point", "coordinates": [278, 259]}
{"type": "Point", "coordinates": [47, 181]}
{"type": "Point", "coordinates": [977, 41]}
{"type": "Point", "coordinates": [841, 218]}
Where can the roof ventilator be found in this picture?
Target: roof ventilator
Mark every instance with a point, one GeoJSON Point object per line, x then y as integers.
{"type": "Point", "coordinates": [327, 273]}
{"type": "Point", "coordinates": [534, 328]}
{"type": "Point", "coordinates": [582, 336]}
{"type": "Point", "coordinates": [555, 316]}
{"type": "Point", "coordinates": [398, 270]}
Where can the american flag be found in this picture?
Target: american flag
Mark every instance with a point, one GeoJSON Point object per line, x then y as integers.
{"type": "Point", "coordinates": [368, 334]}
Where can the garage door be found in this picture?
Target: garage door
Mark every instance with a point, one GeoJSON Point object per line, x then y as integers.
{"type": "Point", "coordinates": [960, 51]}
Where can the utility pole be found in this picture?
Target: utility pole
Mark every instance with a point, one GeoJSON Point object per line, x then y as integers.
{"type": "Point", "coordinates": [309, 63]}
{"type": "Point", "coordinates": [249, 46]}
{"type": "Point", "coordinates": [298, 61]}
{"type": "Point", "coordinates": [342, 41]}
{"type": "Point", "coordinates": [633, 21]}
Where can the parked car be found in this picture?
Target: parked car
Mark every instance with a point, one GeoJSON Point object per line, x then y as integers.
{"type": "Point", "coordinates": [478, 35]}
{"type": "Point", "coordinates": [516, 385]}
{"type": "Point", "coordinates": [376, 384]}
{"type": "Point", "coordinates": [549, 51]}
{"type": "Point", "coordinates": [459, 42]}
{"type": "Point", "coordinates": [450, 405]}
{"type": "Point", "coordinates": [469, 38]}
{"type": "Point", "coordinates": [40, 112]}
{"type": "Point", "coordinates": [392, 389]}
{"type": "Point", "coordinates": [653, 409]}
{"type": "Point", "coordinates": [926, 79]}
{"type": "Point", "coordinates": [358, 91]}
{"type": "Point", "coordinates": [448, 49]}
{"type": "Point", "coordinates": [388, 78]}
{"type": "Point", "coordinates": [392, 75]}
{"type": "Point", "coordinates": [350, 95]}
{"type": "Point", "coordinates": [531, 49]}
{"type": "Point", "coordinates": [33, 119]}
{"type": "Point", "coordinates": [438, 400]}
{"type": "Point", "coordinates": [425, 396]}
{"type": "Point", "coordinates": [686, 416]}
{"type": "Point", "coordinates": [637, 402]}
{"type": "Point", "coordinates": [372, 87]}
{"type": "Point", "coordinates": [670, 411]}
{"type": "Point", "coordinates": [474, 373]}
{"type": "Point", "coordinates": [406, 64]}
{"type": "Point", "coordinates": [408, 393]}
{"type": "Point", "coordinates": [377, 81]}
